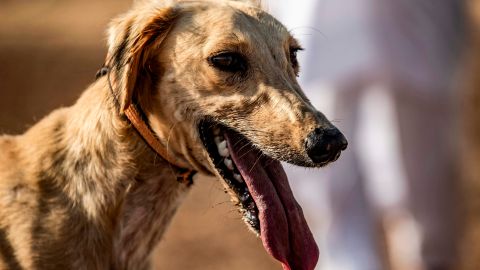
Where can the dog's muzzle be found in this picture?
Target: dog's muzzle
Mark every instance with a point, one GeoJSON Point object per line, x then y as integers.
{"type": "Point", "coordinates": [325, 145]}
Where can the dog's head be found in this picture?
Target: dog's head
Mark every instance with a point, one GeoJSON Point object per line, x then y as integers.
{"type": "Point", "coordinates": [217, 82]}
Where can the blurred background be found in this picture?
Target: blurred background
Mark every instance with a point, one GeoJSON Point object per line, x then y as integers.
{"type": "Point", "coordinates": [398, 77]}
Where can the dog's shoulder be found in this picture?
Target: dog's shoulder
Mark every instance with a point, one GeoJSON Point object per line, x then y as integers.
{"type": "Point", "coordinates": [23, 156]}
{"type": "Point", "coordinates": [17, 196]}
{"type": "Point", "coordinates": [9, 159]}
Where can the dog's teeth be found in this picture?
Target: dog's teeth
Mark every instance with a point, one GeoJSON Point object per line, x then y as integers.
{"type": "Point", "coordinates": [224, 152]}
{"type": "Point", "coordinates": [222, 144]}
{"type": "Point", "coordinates": [222, 149]}
{"type": "Point", "coordinates": [249, 215]}
{"type": "Point", "coordinates": [229, 163]}
{"type": "Point", "coordinates": [238, 177]}
{"type": "Point", "coordinates": [217, 140]}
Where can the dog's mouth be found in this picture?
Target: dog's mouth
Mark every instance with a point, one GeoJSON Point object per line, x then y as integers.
{"type": "Point", "coordinates": [259, 185]}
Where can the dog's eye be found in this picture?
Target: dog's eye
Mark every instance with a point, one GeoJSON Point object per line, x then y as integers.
{"type": "Point", "coordinates": [229, 62]}
{"type": "Point", "coordinates": [293, 56]}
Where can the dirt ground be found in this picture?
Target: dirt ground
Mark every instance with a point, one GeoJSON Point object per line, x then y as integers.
{"type": "Point", "coordinates": [50, 51]}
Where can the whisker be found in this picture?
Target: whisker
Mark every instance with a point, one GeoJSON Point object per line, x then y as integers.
{"type": "Point", "coordinates": [253, 166]}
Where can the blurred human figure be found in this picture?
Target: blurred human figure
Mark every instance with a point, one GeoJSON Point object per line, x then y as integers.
{"type": "Point", "coordinates": [470, 240]}
{"type": "Point", "coordinates": [389, 67]}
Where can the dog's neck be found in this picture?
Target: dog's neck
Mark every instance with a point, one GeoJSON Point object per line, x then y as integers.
{"type": "Point", "coordinates": [104, 168]}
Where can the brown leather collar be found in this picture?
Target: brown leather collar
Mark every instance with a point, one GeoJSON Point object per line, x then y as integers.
{"type": "Point", "coordinates": [134, 116]}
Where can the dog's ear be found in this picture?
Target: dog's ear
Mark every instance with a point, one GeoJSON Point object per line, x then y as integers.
{"type": "Point", "coordinates": [133, 40]}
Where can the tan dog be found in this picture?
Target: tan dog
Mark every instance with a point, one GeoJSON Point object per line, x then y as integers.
{"type": "Point", "coordinates": [192, 86]}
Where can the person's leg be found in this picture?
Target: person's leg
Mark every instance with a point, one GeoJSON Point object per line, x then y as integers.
{"type": "Point", "coordinates": [354, 238]}
{"type": "Point", "coordinates": [427, 129]}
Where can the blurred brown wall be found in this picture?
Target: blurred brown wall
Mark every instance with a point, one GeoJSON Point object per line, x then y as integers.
{"type": "Point", "coordinates": [49, 52]}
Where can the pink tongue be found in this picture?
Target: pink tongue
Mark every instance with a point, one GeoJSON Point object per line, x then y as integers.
{"type": "Point", "coordinates": [284, 231]}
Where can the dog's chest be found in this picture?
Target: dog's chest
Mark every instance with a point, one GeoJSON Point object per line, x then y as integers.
{"type": "Point", "coordinates": [147, 211]}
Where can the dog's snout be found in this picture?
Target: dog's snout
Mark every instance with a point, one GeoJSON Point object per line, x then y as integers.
{"type": "Point", "coordinates": [325, 145]}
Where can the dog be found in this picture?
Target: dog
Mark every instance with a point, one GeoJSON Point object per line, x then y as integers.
{"type": "Point", "coordinates": [187, 87]}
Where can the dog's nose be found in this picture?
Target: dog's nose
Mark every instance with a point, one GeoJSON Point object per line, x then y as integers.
{"type": "Point", "coordinates": [325, 145]}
